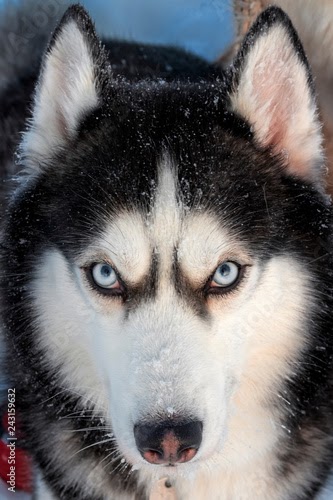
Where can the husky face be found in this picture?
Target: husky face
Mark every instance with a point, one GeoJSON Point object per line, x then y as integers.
{"type": "Point", "coordinates": [175, 349]}
{"type": "Point", "coordinates": [165, 241]}
{"type": "Point", "coordinates": [169, 355]}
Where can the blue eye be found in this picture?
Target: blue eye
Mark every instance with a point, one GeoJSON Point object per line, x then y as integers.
{"type": "Point", "coordinates": [104, 275]}
{"type": "Point", "coordinates": [225, 275]}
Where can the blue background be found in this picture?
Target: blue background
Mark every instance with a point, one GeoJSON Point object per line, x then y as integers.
{"type": "Point", "coordinates": [203, 26]}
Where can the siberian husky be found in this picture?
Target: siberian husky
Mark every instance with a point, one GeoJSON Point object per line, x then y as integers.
{"type": "Point", "coordinates": [167, 278]}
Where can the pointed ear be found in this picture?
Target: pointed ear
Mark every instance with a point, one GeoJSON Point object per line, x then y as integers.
{"type": "Point", "coordinates": [272, 89]}
{"type": "Point", "coordinates": [72, 78]}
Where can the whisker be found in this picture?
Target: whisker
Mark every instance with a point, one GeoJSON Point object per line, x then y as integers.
{"type": "Point", "coordinates": [90, 446]}
{"type": "Point", "coordinates": [90, 429]}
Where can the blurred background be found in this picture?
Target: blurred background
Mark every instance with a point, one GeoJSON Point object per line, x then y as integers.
{"type": "Point", "coordinates": [202, 26]}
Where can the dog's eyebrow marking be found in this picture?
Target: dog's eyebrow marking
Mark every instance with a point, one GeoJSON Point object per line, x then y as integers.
{"type": "Point", "coordinates": [203, 244]}
{"type": "Point", "coordinates": [127, 245]}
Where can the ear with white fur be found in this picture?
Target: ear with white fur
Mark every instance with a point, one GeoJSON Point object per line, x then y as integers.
{"type": "Point", "coordinates": [272, 89]}
{"type": "Point", "coordinates": [73, 74]}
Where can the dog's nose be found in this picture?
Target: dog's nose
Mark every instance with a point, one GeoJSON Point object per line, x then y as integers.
{"type": "Point", "coordinates": [168, 443]}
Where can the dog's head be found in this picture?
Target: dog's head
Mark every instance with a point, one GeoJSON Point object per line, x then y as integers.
{"type": "Point", "coordinates": [164, 245]}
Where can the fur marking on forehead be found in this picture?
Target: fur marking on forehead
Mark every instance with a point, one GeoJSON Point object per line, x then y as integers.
{"type": "Point", "coordinates": [166, 216]}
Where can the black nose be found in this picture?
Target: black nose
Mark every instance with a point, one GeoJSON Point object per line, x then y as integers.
{"type": "Point", "coordinates": [168, 443]}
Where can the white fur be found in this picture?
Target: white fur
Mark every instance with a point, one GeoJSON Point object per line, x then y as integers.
{"type": "Point", "coordinates": [165, 359]}
{"type": "Point", "coordinates": [165, 222]}
{"type": "Point", "coordinates": [273, 96]}
{"type": "Point", "coordinates": [65, 93]}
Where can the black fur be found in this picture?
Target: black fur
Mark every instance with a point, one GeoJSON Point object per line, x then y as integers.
{"type": "Point", "coordinates": [220, 169]}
